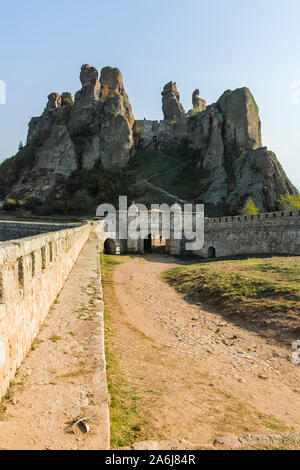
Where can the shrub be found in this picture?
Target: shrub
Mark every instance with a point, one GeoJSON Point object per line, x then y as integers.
{"type": "Point", "coordinates": [82, 202]}
{"type": "Point", "coordinates": [249, 208]}
{"type": "Point", "coordinates": [289, 202]}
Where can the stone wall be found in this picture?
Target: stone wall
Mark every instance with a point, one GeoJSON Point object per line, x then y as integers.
{"type": "Point", "coordinates": [272, 233]}
{"type": "Point", "coordinates": [32, 273]}
{"type": "Point", "coordinates": [13, 230]}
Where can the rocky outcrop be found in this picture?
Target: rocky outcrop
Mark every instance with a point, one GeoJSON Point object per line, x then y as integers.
{"type": "Point", "coordinates": [114, 119]}
{"type": "Point", "coordinates": [172, 109]}
{"type": "Point", "coordinates": [233, 165]}
{"type": "Point", "coordinates": [199, 104]}
{"type": "Point", "coordinates": [219, 145]}
{"type": "Point", "coordinates": [94, 128]}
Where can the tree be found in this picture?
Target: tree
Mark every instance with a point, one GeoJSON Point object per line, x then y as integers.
{"type": "Point", "coordinates": [289, 202]}
{"type": "Point", "coordinates": [21, 145]}
{"type": "Point", "coordinates": [82, 202]}
{"type": "Point", "coordinates": [249, 208]}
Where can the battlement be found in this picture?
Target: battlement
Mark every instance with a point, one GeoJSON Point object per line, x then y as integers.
{"type": "Point", "coordinates": [270, 217]}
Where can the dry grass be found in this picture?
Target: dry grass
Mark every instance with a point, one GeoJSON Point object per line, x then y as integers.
{"type": "Point", "coordinates": [265, 290]}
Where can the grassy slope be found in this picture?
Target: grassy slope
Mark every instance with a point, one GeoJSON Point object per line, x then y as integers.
{"type": "Point", "coordinates": [175, 173]}
{"type": "Point", "coordinates": [265, 292]}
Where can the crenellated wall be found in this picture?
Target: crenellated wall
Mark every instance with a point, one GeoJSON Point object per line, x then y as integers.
{"type": "Point", "coordinates": [272, 233]}
{"type": "Point", "coordinates": [32, 273]}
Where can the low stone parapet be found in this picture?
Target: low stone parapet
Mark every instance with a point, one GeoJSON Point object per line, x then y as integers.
{"type": "Point", "coordinates": [32, 272]}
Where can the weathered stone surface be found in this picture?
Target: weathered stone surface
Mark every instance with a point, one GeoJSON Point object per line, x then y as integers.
{"type": "Point", "coordinates": [70, 134]}
{"type": "Point", "coordinates": [223, 142]}
{"type": "Point", "coordinates": [54, 101]}
{"type": "Point", "coordinates": [172, 109]}
{"type": "Point", "coordinates": [233, 165]}
{"type": "Point", "coordinates": [115, 120]}
{"type": "Point", "coordinates": [242, 128]}
{"type": "Point", "coordinates": [198, 103]}
{"type": "Point", "coordinates": [85, 101]}
{"type": "Point", "coordinates": [33, 272]}
{"type": "Point", "coordinates": [154, 134]}
{"type": "Point", "coordinates": [273, 233]}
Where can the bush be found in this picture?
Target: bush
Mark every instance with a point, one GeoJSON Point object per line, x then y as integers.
{"type": "Point", "coordinates": [289, 202]}
{"type": "Point", "coordinates": [13, 204]}
{"type": "Point", "coordinates": [82, 202]}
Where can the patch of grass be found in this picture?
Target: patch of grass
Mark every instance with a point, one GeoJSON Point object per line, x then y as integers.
{"type": "Point", "coordinates": [266, 287]}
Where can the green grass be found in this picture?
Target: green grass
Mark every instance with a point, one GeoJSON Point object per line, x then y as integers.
{"type": "Point", "coordinates": [270, 286]}
{"type": "Point", "coordinates": [146, 164]}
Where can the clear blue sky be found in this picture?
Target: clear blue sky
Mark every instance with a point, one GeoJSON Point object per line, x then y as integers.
{"type": "Point", "coordinates": [212, 45]}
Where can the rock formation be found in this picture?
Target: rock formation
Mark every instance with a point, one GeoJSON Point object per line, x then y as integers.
{"type": "Point", "coordinates": [198, 103]}
{"type": "Point", "coordinates": [221, 142]}
{"type": "Point", "coordinates": [172, 109]}
{"type": "Point", "coordinates": [69, 135]}
{"type": "Point", "coordinates": [226, 139]}
{"type": "Point", "coordinates": [233, 165]}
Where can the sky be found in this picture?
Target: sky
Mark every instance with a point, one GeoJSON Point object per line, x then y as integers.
{"type": "Point", "coordinates": [212, 45]}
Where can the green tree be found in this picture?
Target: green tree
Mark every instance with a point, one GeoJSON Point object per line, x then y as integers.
{"type": "Point", "coordinates": [82, 202]}
{"type": "Point", "coordinates": [289, 202]}
{"type": "Point", "coordinates": [249, 208]}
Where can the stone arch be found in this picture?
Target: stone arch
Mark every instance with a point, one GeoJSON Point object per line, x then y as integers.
{"type": "Point", "coordinates": [211, 252]}
{"type": "Point", "coordinates": [109, 247]}
{"type": "Point", "coordinates": [148, 244]}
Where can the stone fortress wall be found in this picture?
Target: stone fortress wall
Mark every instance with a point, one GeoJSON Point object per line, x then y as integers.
{"type": "Point", "coordinates": [270, 233]}
{"type": "Point", "coordinates": [32, 272]}
{"type": "Point", "coordinates": [11, 230]}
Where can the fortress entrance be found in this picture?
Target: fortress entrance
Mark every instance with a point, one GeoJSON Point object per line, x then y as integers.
{"type": "Point", "coordinates": [211, 252]}
{"type": "Point", "coordinates": [155, 243]}
{"type": "Point", "coordinates": [109, 247]}
{"type": "Point", "coordinates": [148, 244]}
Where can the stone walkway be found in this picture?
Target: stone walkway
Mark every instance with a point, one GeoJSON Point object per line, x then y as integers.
{"type": "Point", "coordinates": [63, 377]}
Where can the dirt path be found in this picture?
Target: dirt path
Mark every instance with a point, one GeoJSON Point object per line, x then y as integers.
{"type": "Point", "coordinates": [63, 376]}
{"type": "Point", "coordinates": [197, 375]}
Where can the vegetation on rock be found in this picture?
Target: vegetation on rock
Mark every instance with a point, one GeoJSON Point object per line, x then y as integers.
{"type": "Point", "coordinates": [249, 208]}
{"type": "Point", "coordinates": [289, 202]}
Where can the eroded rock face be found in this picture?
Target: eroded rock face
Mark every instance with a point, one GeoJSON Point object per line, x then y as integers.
{"type": "Point", "coordinates": [114, 119]}
{"type": "Point", "coordinates": [198, 103]}
{"type": "Point", "coordinates": [226, 138]}
{"type": "Point", "coordinates": [73, 134]}
{"type": "Point", "coordinates": [223, 142]}
{"type": "Point", "coordinates": [86, 99]}
{"type": "Point", "coordinates": [172, 108]}
{"type": "Point", "coordinates": [233, 165]}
